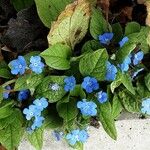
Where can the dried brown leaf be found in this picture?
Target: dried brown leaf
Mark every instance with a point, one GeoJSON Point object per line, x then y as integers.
{"type": "Point", "coordinates": [71, 25]}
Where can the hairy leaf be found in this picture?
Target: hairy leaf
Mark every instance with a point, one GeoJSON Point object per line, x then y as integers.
{"type": "Point", "coordinates": [107, 119]}
{"type": "Point", "coordinates": [57, 56]}
{"type": "Point", "coordinates": [44, 89]}
{"type": "Point", "coordinates": [94, 64]}
{"type": "Point", "coordinates": [10, 135]}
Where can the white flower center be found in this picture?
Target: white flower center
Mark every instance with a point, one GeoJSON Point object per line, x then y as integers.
{"type": "Point", "coordinates": [20, 66]}
{"type": "Point", "coordinates": [35, 64]}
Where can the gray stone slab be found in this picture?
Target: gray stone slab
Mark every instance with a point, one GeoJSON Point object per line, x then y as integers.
{"type": "Point", "coordinates": [133, 134]}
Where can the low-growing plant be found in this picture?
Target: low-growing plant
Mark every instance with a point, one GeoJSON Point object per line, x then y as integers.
{"type": "Point", "coordinates": [72, 83]}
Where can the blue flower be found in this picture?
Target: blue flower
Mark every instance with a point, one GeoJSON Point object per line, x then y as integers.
{"type": "Point", "coordinates": [32, 111]}
{"type": "Point", "coordinates": [18, 66]}
{"type": "Point", "coordinates": [36, 64]}
{"type": "Point", "coordinates": [87, 108]}
{"type": "Point", "coordinates": [125, 65]}
{"type": "Point", "coordinates": [137, 72]}
{"type": "Point", "coordinates": [73, 137]}
{"type": "Point", "coordinates": [106, 38]}
{"type": "Point", "coordinates": [123, 41]}
{"type": "Point", "coordinates": [111, 72]}
{"type": "Point", "coordinates": [146, 106]}
{"type": "Point", "coordinates": [83, 136]}
{"type": "Point", "coordinates": [40, 103]}
{"type": "Point", "coordinates": [90, 84]}
{"type": "Point", "coordinates": [23, 95]}
{"type": "Point", "coordinates": [137, 58]}
{"type": "Point", "coordinates": [70, 83]}
{"type": "Point", "coordinates": [6, 94]}
{"type": "Point", "coordinates": [102, 97]}
{"type": "Point", "coordinates": [38, 122]}
{"type": "Point", "coordinates": [54, 87]}
{"type": "Point", "coordinates": [57, 135]}
{"type": "Point", "coordinates": [77, 136]}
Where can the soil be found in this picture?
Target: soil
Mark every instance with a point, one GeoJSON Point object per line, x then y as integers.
{"type": "Point", "coordinates": [21, 32]}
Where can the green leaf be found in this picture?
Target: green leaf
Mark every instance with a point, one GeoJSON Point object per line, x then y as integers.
{"type": "Point", "coordinates": [78, 146]}
{"type": "Point", "coordinates": [124, 51]}
{"type": "Point", "coordinates": [4, 70]}
{"type": "Point", "coordinates": [36, 138]}
{"type": "Point", "coordinates": [94, 64]}
{"type": "Point", "coordinates": [142, 90]}
{"type": "Point", "coordinates": [78, 92]}
{"type": "Point", "coordinates": [147, 81]}
{"type": "Point", "coordinates": [1, 93]}
{"type": "Point", "coordinates": [91, 46]}
{"type": "Point", "coordinates": [68, 111]}
{"type": "Point", "coordinates": [132, 27]}
{"type": "Point", "coordinates": [52, 119]}
{"type": "Point", "coordinates": [71, 25]}
{"type": "Point", "coordinates": [49, 10]}
{"type": "Point", "coordinates": [10, 135]}
{"type": "Point", "coordinates": [116, 107]}
{"type": "Point", "coordinates": [141, 39]}
{"type": "Point", "coordinates": [28, 81]}
{"type": "Point", "coordinates": [116, 83]}
{"type": "Point", "coordinates": [98, 25]}
{"type": "Point", "coordinates": [57, 56]}
{"type": "Point", "coordinates": [6, 109]}
{"type": "Point", "coordinates": [118, 32]}
{"type": "Point", "coordinates": [5, 73]}
{"type": "Point", "coordinates": [21, 4]}
{"type": "Point", "coordinates": [127, 82]}
{"type": "Point", "coordinates": [107, 119]}
{"type": "Point", "coordinates": [44, 89]}
{"type": "Point", "coordinates": [130, 102]}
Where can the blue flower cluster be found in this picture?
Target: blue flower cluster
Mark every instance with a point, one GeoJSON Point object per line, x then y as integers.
{"type": "Point", "coordinates": [6, 94]}
{"type": "Point", "coordinates": [18, 66]}
{"type": "Point", "coordinates": [137, 58]}
{"type": "Point", "coordinates": [34, 111]}
{"type": "Point", "coordinates": [102, 97]}
{"type": "Point", "coordinates": [36, 64]}
{"type": "Point", "coordinates": [77, 136]}
{"type": "Point", "coordinates": [105, 38]}
{"type": "Point", "coordinates": [23, 95]}
{"type": "Point", "coordinates": [125, 65]}
{"type": "Point", "coordinates": [70, 83]}
{"type": "Point", "coordinates": [57, 135]}
{"type": "Point", "coordinates": [87, 108]}
{"type": "Point", "coordinates": [111, 72]}
{"type": "Point", "coordinates": [90, 84]}
{"type": "Point", "coordinates": [123, 41]}
{"type": "Point", "coordinates": [146, 106]}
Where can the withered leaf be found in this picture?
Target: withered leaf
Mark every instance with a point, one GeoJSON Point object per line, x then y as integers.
{"type": "Point", "coordinates": [72, 24]}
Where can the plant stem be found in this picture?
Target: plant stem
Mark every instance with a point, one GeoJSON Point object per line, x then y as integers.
{"type": "Point", "coordinates": [9, 82]}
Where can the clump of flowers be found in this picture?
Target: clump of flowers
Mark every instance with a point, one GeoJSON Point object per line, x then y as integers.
{"type": "Point", "coordinates": [77, 136]}
{"type": "Point", "coordinates": [111, 72]}
{"type": "Point", "coordinates": [70, 83]}
{"type": "Point", "coordinates": [18, 65]}
{"type": "Point", "coordinates": [34, 111]}
{"type": "Point", "coordinates": [87, 108]}
{"type": "Point", "coordinates": [90, 84]}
